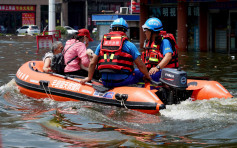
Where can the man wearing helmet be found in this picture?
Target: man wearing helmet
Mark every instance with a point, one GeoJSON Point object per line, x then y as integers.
{"type": "Point", "coordinates": [115, 56]}
{"type": "Point", "coordinates": [159, 48]}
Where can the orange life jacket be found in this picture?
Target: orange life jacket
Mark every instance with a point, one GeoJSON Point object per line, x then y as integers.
{"type": "Point", "coordinates": [152, 55]}
{"type": "Point", "coordinates": [111, 57]}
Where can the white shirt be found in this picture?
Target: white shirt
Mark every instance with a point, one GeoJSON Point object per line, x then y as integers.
{"type": "Point", "coordinates": [48, 55]}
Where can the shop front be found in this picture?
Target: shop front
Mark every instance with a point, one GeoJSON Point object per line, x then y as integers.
{"type": "Point", "coordinates": [193, 27]}
{"type": "Point", "coordinates": [103, 22]}
{"type": "Point", "coordinates": [167, 15]}
{"type": "Point", "coordinates": [15, 16]}
{"type": "Point", "coordinates": [206, 25]}
{"type": "Point", "coordinates": [223, 27]}
{"type": "Point", "coordinates": [233, 31]}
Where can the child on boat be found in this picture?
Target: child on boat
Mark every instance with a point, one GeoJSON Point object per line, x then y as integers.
{"type": "Point", "coordinates": [56, 48]}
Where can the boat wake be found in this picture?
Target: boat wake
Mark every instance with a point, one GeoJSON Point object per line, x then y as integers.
{"type": "Point", "coordinates": [203, 109]}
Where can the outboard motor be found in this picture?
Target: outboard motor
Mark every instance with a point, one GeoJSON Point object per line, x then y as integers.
{"type": "Point", "coordinates": [175, 84]}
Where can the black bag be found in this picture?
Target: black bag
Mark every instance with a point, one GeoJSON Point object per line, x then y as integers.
{"type": "Point", "coordinates": [58, 64]}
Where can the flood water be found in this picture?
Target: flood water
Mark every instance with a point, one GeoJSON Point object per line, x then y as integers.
{"type": "Point", "coordinates": [26, 122]}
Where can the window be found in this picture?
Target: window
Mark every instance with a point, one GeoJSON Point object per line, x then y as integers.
{"type": "Point", "coordinates": [24, 27]}
{"type": "Point", "coordinates": [34, 27]}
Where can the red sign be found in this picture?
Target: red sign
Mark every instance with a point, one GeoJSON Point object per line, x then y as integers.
{"type": "Point", "coordinates": [135, 6]}
{"type": "Point", "coordinates": [17, 8]}
{"type": "Point", "coordinates": [28, 19]}
{"type": "Point", "coordinates": [44, 41]}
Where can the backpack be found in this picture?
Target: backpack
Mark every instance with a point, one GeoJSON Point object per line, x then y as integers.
{"type": "Point", "coordinates": [58, 63]}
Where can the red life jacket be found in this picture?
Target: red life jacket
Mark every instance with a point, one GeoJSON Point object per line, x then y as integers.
{"type": "Point", "coordinates": [111, 57]}
{"type": "Point", "coordinates": [152, 55]}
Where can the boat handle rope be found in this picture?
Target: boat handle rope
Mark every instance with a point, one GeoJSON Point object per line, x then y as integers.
{"type": "Point", "coordinates": [44, 84]}
{"type": "Point", "coordinates": [121, 98]}
{"type": "Point", "coordinates": [51, 97]}
{"type": "Point", "coordinates": [122, 103]}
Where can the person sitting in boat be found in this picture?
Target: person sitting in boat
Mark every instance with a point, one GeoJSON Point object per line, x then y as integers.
{"type": "Point", "coordinates": [159, 48]}
{"type": "Point", "coordinates": [56, 48]}
{"type": "Point", "coordinates": [78, 50]}
{"type": "Point", "coordinates": [115, 56]}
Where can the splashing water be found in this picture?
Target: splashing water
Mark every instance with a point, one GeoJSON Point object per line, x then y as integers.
{"type": "Point", "coordinates": [202, 109]}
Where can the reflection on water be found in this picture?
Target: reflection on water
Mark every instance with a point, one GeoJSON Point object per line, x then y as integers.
{"type": "Point", "coordinates": [215, 66]}
{"type": "Point", "coordinates": [27, 122]}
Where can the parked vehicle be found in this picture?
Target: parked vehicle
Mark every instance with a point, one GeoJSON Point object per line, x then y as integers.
{"type": "Point", "coordinates": [28, 29]}
{"type": "Point", "coordinates": [94, 31]}
{"type": "Point", "coordinates": [3, 29]}
{"type": "Point", "coordinates": [70, 30]}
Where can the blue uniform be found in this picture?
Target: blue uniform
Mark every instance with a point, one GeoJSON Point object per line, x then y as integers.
{"type": "Point", "coordinates": [165, 47]}
{"type": "Point", "coordinates": [114, 80]}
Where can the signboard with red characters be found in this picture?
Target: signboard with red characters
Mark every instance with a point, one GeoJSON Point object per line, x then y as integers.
{"type": "Point", "coordinates": [46, 40]}
{"type": "Point", "coordinates": [17, 8]}
{"type": "Point", "coordinates": [28, 19]}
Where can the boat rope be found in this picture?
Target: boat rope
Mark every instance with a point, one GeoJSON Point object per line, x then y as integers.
{"type": "Point", "coordinates": [122, 103]}
{"type": "Point", "coordinates": [51, 94]}
{"type": "Point", "coordinates": [51, 97]}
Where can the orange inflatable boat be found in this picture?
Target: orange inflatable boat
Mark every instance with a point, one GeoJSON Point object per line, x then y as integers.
{"type": "Point", "coordinates": [173, 88]}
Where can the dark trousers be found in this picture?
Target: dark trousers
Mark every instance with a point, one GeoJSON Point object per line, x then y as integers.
{"type": "Point", "coordinates": [84, 73]}
{"type": "Point", "coordinates": [80, 72]}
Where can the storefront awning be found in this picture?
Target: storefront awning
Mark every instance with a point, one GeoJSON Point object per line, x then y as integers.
{"type": "Point", "coordinates": [111, 17]}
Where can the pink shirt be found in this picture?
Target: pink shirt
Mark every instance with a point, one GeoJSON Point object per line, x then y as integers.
{"type": "Point", "coordinates": [78, 49]}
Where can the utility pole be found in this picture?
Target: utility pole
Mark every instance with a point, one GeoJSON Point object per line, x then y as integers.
{"type": "Point", "coordinates": [51, 16]}
{"type": "Point", "coordinates": [86, 14]}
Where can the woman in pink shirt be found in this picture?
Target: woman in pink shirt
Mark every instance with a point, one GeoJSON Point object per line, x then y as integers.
{"type": "Point", "coordinates": [76, 53]}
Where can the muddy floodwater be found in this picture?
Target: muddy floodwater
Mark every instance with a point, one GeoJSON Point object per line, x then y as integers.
{"type": "Point", "coordinates": [27, 122]}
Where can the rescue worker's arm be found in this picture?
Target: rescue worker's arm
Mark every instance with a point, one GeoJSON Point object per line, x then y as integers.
{"type": "Point", "coordinates": [91, 70]}
{"type": "Point", "coordinates": [141, 66]}
{"type": "Point", "coordinates": [162, 64]}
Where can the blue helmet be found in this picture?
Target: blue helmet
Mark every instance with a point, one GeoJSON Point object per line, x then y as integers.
{"type": "Point", "coordinates": [120, 23]}
{"type": "Point", "coordinates": [153, 24]}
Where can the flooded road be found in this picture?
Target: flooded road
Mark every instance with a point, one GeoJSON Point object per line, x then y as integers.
{"type": "Point", "coordinates": [26, 122]}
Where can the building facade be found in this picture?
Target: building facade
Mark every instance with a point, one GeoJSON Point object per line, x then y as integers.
{"type": "Point", "coordinates": [200, 25]}
{"type": "Point", "coordinates": [74, 13]}
{"type": "Point", "coordinates": [15, 13]}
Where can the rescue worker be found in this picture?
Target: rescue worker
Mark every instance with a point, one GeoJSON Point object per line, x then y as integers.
{"type": "Point", "coordinates": [159, 48]}
{"type": "Point", "coordinates": [115, 56]}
